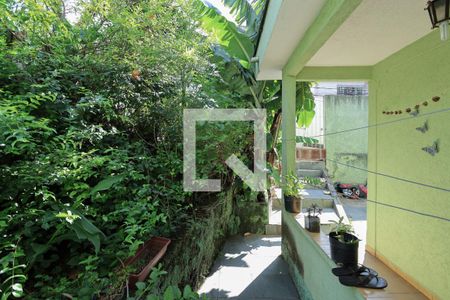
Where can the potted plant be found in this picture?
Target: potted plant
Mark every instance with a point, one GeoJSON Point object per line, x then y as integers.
{"type": "Point", "coordinates": [292, 187]}
{"type": "Point", "coordinates": [343, 243]}
{"type": "Point", "coordinates": [312, 220]}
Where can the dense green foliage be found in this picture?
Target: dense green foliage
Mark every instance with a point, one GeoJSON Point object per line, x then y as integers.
{"type": "Point", "coordinates": [91, 107]}
{"type": "Point", "coordinates": [236, 45]}
{"type": "Point", "coordinates": [90, 136]}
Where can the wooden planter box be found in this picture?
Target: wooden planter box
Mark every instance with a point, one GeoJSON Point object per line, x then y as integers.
{"type": "Point", "coordinates": [153, 250]}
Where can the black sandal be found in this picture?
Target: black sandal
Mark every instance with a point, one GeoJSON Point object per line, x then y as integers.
{"type": "Point", "coordinates": [369, 281]}
{"type": "Point", "coordinates": [353, 270]}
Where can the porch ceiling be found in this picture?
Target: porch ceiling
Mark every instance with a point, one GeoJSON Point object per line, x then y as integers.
{"type": "Point", "coordinates": [285, 24]}
{"type": "Point", "coordinates": [372, 32]}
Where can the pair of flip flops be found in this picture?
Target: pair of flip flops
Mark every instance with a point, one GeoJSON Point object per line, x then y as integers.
{"type": "Point", "coordinates": [359, 276]}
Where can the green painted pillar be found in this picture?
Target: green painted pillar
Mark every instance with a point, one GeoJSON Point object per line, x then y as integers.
{"type": "Point", "coordinates": [288, 123]}
{"type": "Point", "coordinates": [372, 163]}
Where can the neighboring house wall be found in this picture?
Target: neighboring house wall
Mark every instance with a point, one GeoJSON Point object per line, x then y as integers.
{"type": "Point", "coordinates": [321, 90]}
{"type": "Point", "coordinates": [415, 244]}
{"type": "Point", "coordinates": [348, 148]}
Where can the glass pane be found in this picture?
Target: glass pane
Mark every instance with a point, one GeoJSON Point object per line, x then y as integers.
{"type": "Point", "coordinates": [440, 10]}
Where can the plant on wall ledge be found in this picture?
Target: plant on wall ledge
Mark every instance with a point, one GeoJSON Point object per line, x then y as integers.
{"type": "Point", "coordinates": [343, 243]}
{"type": "Point", "coordinates": [312, 220]}
{"type": "Point", "coordinates": [292, 187]}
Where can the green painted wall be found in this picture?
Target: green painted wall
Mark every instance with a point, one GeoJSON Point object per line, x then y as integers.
{"type": "Point", "coordinates": [310, 266]}
{"type": "Point", "coordinates": [418, 246]}
{"type": "Point", "coordinates": [343, 113]}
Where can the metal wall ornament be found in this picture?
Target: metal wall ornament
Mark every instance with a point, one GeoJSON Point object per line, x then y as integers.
{"type": "Point", "coordinates": [414, 111]}
{"type": "Point", "coordinates": [423, 128]}
{"type": "Point", "coordinates": [433, 149]}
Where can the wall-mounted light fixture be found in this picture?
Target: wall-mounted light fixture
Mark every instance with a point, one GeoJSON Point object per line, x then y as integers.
{"type": "Point", "coordinates": [439, 11]}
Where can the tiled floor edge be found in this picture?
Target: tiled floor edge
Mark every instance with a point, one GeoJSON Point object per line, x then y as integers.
{"type": "Point", "coordinates": [427, 293]}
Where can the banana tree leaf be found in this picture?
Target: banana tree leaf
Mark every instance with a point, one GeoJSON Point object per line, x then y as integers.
{"type": "Point", "coordinates": [226, 33]}
{"type": "Point", "coordinates": [306, 140]}
{"type": "Point", "coordinates": [304, 98]}
{"type": "Point", "coordinates": [248, 13]}
{"type": "Point", "coordinates": [305, 117]}
{"type": "Point", "coordinates": [304, 104]}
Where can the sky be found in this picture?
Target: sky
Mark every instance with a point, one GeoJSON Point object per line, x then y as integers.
{"type": "Point", "coordinates": [222, 8]}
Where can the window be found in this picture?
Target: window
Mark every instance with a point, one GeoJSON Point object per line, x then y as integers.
{"type": "Point", "coordinates": [351, 90]}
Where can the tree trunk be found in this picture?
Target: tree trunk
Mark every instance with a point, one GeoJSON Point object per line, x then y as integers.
{"type": "Point", "coordinates": [274, 131]}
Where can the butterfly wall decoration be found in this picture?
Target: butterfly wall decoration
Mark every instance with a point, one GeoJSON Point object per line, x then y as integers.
{"type": "Point", "coordinates": [432, 150]}
{"type": "Point", "coordinates": [423, 128]}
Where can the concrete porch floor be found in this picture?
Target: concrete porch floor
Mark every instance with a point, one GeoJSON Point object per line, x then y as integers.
{"type": "Point", "coordinates": [250, 268]}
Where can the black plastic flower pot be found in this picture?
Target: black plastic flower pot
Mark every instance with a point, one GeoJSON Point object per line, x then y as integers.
{"type": "Point", "coordinates": [293, 204]}
{"type": "Point", "coordinates": [312, 223]}
{"type": "Point", "coordinates": [344, 253]}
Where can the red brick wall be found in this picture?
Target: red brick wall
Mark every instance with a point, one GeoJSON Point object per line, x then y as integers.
{"type": "Point", "coordinates": [309, 153]}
